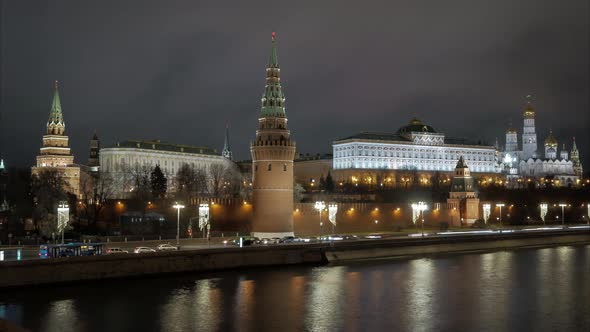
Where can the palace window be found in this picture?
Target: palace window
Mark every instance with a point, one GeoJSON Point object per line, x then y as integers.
{"type": "Point", "coordinates": [269, 167]}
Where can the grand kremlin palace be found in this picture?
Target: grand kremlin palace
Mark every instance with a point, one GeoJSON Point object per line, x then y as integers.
{"type": "Point", "coordinates": [415, 150]}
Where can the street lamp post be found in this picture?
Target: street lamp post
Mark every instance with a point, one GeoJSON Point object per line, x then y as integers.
{"type": "Point", "coordinates": [320, 206]}
{"type": "Point", "coordinates": [332, 210]}
{"type": "Point", "coordinates": [500, 205]}
{"type": "Point", "coordinates": [562, 205]}
{"type": "Point", "coordinates": [63, 216]}
{"type": "Point", "coordinates": [178, 207]}
{"type": "Point", "coordinates": [204, 218]}
{"type": "Point", "coordinates": [543, 214]}
{"type": "Point", "coordinates": [486, 212]}
{"type": "Point", "coordinates": [420, 208]}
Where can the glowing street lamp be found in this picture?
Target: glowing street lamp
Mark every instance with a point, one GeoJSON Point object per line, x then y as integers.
{"type": "Point", "coordinates": [562, 205]}
{"type": "Point", "coordinates": [543, 207]}
{"type": "Point", "coordinates": [500, 205]}
{"type": "Point", "coordinates": [320, 206]}
{"type": "Point", "coordinates": [178, 207]}
{"type": "Point", "coordinates": [204, 218]}
{"type": "Point", "coordinates": [487, 208]}
{"type": "Point", "coordinates": [63, 216]}
{"type": "Point", "coordinates": [418, 211]}
{"type": "Point", "coordinates": [332, 210]}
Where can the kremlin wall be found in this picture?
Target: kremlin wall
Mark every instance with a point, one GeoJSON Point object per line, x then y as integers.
{"type": "Point", "coordinates": [363, 167]}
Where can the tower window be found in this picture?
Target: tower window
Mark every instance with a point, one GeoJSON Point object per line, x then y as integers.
{"type": "Point", "coordinates": [270, 167]}
{"type": "Point", "coordinates": [284, 167]}
{"type": "Point", "coordinates": [255, 168]}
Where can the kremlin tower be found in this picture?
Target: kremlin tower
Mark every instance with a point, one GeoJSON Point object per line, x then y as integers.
{"type": "Point", "coordinates": [55, 152]}
{"type": "Point", "coordinates": [529, 136]}
{"type": "Point", "coordinates": [273, 153]}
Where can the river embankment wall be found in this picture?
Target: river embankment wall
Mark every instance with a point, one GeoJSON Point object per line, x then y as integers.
{"type": "Point", "coordinates": [77, 269]}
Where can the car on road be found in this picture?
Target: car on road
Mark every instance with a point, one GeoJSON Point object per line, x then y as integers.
{"type": "Point", "coordinates": [373, 236]}
{"type": "Point", "coordinates": [335, 237]}
{"type": "Point", "coordinates": [112, 251]}
{"type": "Point", "coordinates": [166, 247]}
{"type": "Point", "coordinates": [246, 241]}
{"type": "Point", "coordinates": [141, 250]}
{"type": "Point", "coordinates": [350, 237]}
{"type": "Point", "coordinates": [288, 239]}
{"type": "Point", "coordinates": [266, 240]}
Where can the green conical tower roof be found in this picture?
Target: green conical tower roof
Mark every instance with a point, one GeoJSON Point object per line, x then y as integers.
{"type": "Point", "coordinates": [273, 100]}
{"type": "Point", "coordinates": [56, 115]}
{"type": "Point", "coordinates": [226, 152]}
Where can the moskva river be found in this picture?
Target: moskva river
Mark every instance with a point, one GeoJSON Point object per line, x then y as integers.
{"type": "Point", "coordinates": [522, 290]}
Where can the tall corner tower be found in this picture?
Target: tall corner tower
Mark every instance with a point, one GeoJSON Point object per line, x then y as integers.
{"type": "Point", "coordinates": [55, 152]}
{"type": "Point", "coordinates": [529, 136]}
{"type": "Point", "coordinates": [273, 153]}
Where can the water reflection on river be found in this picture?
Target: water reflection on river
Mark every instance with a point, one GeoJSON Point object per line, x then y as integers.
{"type": "Point", "coordinates": [524, 290]}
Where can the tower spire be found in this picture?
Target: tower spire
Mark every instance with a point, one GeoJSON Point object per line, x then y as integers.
{"type": "Point", "coordinates": [273, 61]}
{"type": "Point", "coordinates": [55, 124]}
{"type": "Point", "coordinates": [226, 148]}
{"type": "Point", "coordinates": [273, 100]}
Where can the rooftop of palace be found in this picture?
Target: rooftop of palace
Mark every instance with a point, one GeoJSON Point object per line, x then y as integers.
{"type": "Point", "coordinates": [394, 137]}
{"type": "Point", "coordinates": [158, 145]}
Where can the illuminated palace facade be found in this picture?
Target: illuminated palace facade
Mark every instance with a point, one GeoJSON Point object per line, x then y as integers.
{"type": "Point", "coordinates": [121, 159]}
{"type": "Point", "coordinates": [414, 149]}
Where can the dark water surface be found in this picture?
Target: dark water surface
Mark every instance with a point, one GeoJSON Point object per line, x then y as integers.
{"type": "Point", "coordinates": [523, 290]}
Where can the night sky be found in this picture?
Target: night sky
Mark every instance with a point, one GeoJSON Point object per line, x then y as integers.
{"type": "Point", "coordinates": [178, 70]}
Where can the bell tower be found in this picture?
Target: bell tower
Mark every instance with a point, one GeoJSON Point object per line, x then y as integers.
{"type": "Point", "coordinates": [529, 136]}
{"type": "Point", "coordinates": [273, 153]}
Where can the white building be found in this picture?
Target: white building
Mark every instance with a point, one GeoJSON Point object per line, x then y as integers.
{"type": "Point", "coordinates": [527, 162]}
{"type": "Point", "coordinates": [125, 156]}
{"type": "Point", "coordinates": [415, 146]}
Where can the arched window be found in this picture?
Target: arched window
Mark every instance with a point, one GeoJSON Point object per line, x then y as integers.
{"type": "Point", "coordinates": [270, 167]}
{"type": "Point", "coordinates": [284, 167]}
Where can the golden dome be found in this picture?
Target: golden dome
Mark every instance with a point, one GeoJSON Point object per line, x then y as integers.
{"type": "Point", "coordinates": [511, 131]}
{"type": "Point", "coordinates": [551, 141]}
{"type": "Point", "coordinates": [529, 111]}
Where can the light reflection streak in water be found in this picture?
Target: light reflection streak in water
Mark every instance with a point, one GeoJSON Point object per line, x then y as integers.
{"type": "Point", "coordinates": [325, 299]}
{"type": "Point", "coordinates": [420, 291]}
{"type": "Point", "coordinates": [62, 317]}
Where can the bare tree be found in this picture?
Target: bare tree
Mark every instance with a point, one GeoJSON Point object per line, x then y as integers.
{"type": "Point", "coordinates": [48, 187]}
{"type": "Point", "coordinates": [232, 181]}
{"type": "Point", "coordinates": [96, 190]}
{"type": "Point", "coordinates": [216, 176]}
{"type": "Point", "coordinates": [138, 180]}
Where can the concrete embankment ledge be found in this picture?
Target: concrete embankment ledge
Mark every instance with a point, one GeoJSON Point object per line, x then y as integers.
{"type": "Point", "coordinates": [73, 269]}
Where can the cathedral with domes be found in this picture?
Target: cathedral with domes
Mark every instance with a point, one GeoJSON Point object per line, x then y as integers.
{"type": "Point", "coordinates": [560, 166]}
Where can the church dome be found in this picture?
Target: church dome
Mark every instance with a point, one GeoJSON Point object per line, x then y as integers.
{"type": "Point", "coordinates": [415, 125]}
{"type": "Point", "coordinates": [551, 141]}
{"type": "Point", "coordinates": [529, 111]}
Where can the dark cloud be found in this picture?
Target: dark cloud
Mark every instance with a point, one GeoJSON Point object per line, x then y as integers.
{"type": "Point", "coordinates": [178, 70]}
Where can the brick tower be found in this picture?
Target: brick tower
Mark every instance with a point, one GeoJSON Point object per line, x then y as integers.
{"type": "Point", "coordinates": [272, 160]}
